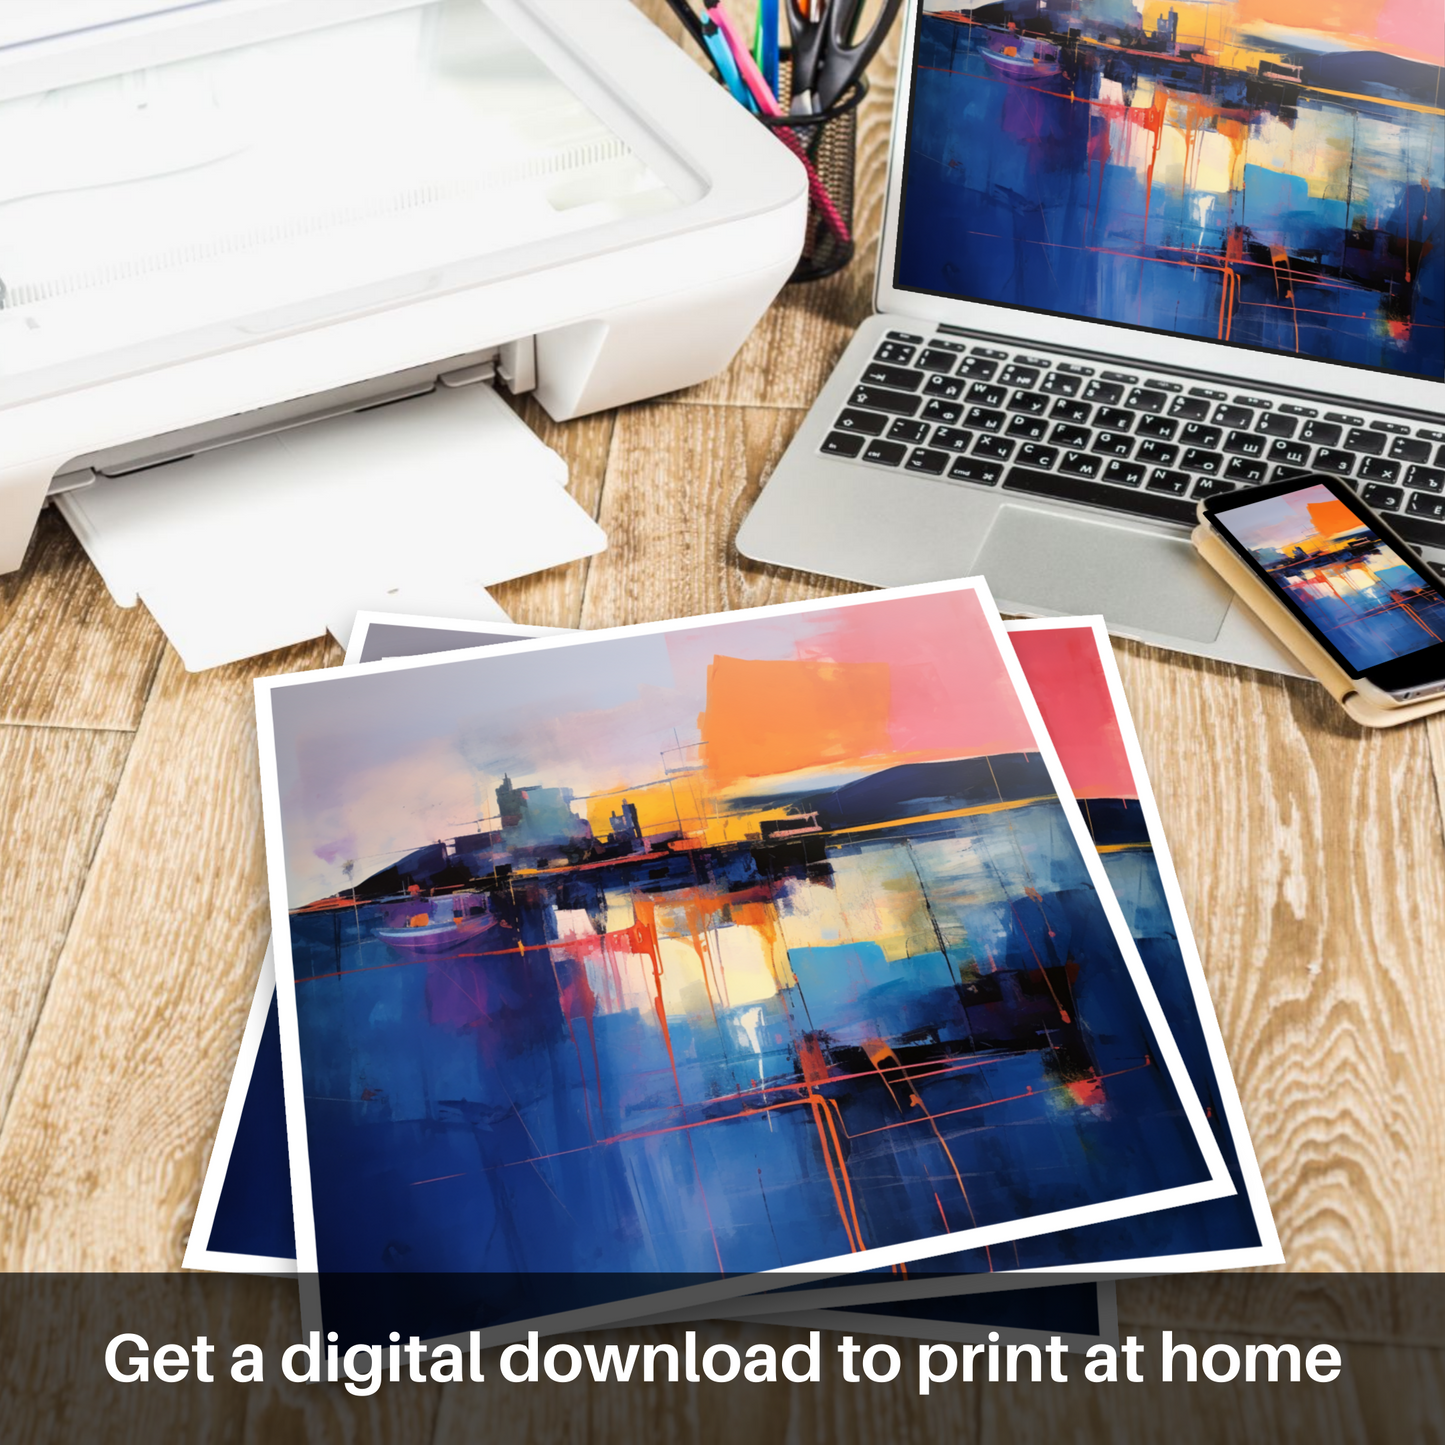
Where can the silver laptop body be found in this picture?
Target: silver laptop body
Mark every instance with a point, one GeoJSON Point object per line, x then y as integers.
{"type": "Point", "coordinates": [1062, 456]}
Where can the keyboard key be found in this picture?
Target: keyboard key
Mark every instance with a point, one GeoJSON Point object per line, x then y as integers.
{"type": "Point", "coordinates": [982, 419]}
{"type": "Point", "coordinates": [1330, 459]}
{"type": "Point", "coordinates": [1372, 443]}
{"type": "Point", "coordinates": [1294, 410]}
{"type": "Point", "coordinates": [1344, 418]}
{"type": "Point", "coordinates": [1211, 487]}
{"type": "Point", "coordinates": [940, 343]}
{"type": "Point", "coordinates": [1421, 504]}
{"type": "Point", "coordinates": [1163, 480]}
{"type": "Point", "coordinates": [1075, 411]}
{"type": "Point", "coordinates": [843, 444]}
{"type": "Point", "coordinates": [1077, 370]}
{"type": "Point", "coordinates": [1419, 531]}
{"type": "Point", "coordinates": [1070, 436]}
{"type": "Point", "coordinates": [1245, 444]}
{"type": "Point", "coordinates": [970, 469]}
{"type": "Point", "coordinates": [1396, 428]}
{"type": "Point", "coordinates": [1189, 408]}
{"type": "Point", "coordinates": [1429, 434]}
{"type": "Point", "coordinates": [1288, 474]}
{"type": "Point", "coordinates": [1403, 449]}
{"type": "Point", "coordinates": [1199, 460]}
{"type": "Point", "coordinates": [867, 422]}
{"type": "Point", "coordinates": [1321, 433]}
{"type": "Point", "coordinates": [1019, 376]}
{"type": "Point", "coordinates": [926, 460]}
{"type": "Point", "coordinates": [905, 336]}
{"type": "Point", "coordinates": [1195, 435]}
{"type": "Point", "coordinates": [1127, 377]}
{"type": "Point", "coordinates": [1035, 403]}
{"type": "Point", "coordinates": [1107, 392]}
{"type": "Point", "coordinates": [1081, 464]}
{"type": "Point", "coordinates": [948, 387]}
{"type": "Point", "coordinates": [1059, 383]}
{"type": "Point", "coordinates": [1099, 494]}
{"type": "Point", "coordinates": [1235, 416]}
{"type": "Point", "coordinates": [976, 368]}
{"type": "Point", "coordinates": [935, 409]}
{"type": "Point", "coordinates": [1036, 456]}
{"type": "Point", "coordinates": [935, 360]}
{"type": "Point", "coordinates": [907, 430]}
{"type": "Point", "coordinates": [1037, 361]}
{"type": "Point", "coordinates": [1124, 474]}
{"type": "Point", "coordinates": [877, 374]}
{"type": "Point", "coordinates": [1272, 424]}
{"type": "Point", "coordinates": [1376, 469]}
{"type": "Point", "coordinates": [1440, 457]}
{"type": "Point", "coordinates": [1156, 454]}
{"type": "Point", "coordinates": [1113, 418]}
{"type": "Point", "coordinates": [1031, 428]}
{"type": "Point", "coordinates": [895, 353]}
{"type": "Point", "coordinates": [1382, 499]}
{"type": "Point", "coordinates": [1162, 385]}
{"type": "Point", "coordinates": [878, 398]}
{"type": "Point", "coordinates": [1292, 454]}
{"type": "Point", "coordinates": [993, 447]}
{"type": "Point", "coordinates": [1112, 444]}
{"type": "Point", "coordinates": [991, 352]}
{"type": "Point", "coordinates": [954, 438]}
{"type": "Point", "coordinates": [886, 454]}
{"type": "Point", "coordinates": [1156, 426]}
{"type": "Point", "coordinates": [983, 395]}
{"type": "Point", "coordinates": [1245, 469]}
{"type": "Point", "coordinates": [1143, 399]}
{"type": "Point", "coordinates": [1425, 479]}
{"type": "Point", "coordinates": [1255, 401]}
{"type": "Point", "coordinates": [1208, 393]}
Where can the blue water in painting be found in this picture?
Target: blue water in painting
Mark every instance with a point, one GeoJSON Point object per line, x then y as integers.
{"type": "Point", "coordinates": [511, 1133]}
{"type": "Point", "coordinates": [1034, 192]}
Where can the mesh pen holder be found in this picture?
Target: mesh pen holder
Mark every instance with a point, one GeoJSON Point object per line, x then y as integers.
{"type": "Point", "coordinates": [826, 143]}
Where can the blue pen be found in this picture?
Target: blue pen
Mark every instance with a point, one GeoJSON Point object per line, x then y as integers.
{"type": "Point", "coordinates": [727, 67]}
{"type": "Point", "coordinates": [768, 29]}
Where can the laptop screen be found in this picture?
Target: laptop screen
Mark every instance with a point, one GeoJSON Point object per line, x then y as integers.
{"type": "Point", "coordinates": [1267, 174]}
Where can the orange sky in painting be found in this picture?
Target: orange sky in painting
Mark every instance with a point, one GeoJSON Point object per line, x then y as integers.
{"type": "Point", "coordinates": [765, 718]}
{"type": "Point", "coordinates": [1331, 517]}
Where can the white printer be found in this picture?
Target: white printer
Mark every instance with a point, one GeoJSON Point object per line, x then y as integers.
{"type": "Point", "coordinates": [225, 220]}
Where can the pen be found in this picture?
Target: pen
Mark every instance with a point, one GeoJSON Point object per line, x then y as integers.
{"type": "Point", "coordinates": [765, 42]}
{"type": "Point", "coordinates": [767, 103]}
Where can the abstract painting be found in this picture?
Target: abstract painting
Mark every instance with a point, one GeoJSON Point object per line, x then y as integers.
{"type": "Point", "coordinates": [712, 947]}
{"type": "Point", "coordinates": [1262, 172]}
{"type": "Point", "coordinates": [1369, 603]}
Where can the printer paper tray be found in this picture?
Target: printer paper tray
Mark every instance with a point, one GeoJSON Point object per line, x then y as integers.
{"type": "Point", "coordinates": [417, 506]}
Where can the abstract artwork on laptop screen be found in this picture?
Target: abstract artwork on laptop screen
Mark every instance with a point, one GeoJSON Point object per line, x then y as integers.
{"type": "Point", "coordinates": [1261, 172]}
{"type": "Point", "coordinates": [719, 947]}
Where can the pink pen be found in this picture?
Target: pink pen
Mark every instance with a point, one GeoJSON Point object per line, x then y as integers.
{"type": "Point", "coordinates": [768, 105]}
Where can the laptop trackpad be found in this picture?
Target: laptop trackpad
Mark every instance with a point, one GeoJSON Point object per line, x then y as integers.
{"type": "Point", "coordinates": [1145, 583]}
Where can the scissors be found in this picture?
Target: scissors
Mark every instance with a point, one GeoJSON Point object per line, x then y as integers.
{"type": "Point", "coordinates": [827, 55]}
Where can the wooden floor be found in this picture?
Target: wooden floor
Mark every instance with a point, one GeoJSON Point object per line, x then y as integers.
{"type": "Point", "coordinates": [133, 913]}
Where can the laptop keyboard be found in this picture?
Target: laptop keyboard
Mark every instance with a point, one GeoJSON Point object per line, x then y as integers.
{"type": "Point", "coordinates": [1144, 444]}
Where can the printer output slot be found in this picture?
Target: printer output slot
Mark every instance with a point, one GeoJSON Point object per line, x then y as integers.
{"type": "Point", "coordinates": [514, 362]}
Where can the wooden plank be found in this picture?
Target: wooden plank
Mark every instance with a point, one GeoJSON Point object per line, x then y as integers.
{"type": "Point", "coordinates": [56, 786]}
{"type": "Point", "coordinates": [69, 657]}
{"type": "Point", "coordinates": [102, 1150]}
{"type": "Point", "coordinates": [1312, 862]}
{"type": "Point", "coordinates": [1348, 1411]}
{"type": "Point", "coordinates": [679, 482]}
{"type": "Point", "coordinates": [707, 1413]}
{"type": "Point", "coordinates": [554, 598]}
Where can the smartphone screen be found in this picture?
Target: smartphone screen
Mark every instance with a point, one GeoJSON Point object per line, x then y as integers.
{"type": "Point", "coordinates": [1361, 592]}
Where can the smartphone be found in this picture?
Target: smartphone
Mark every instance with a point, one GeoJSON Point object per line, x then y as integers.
{"type": "Point", "coordinates": [1367, 598]}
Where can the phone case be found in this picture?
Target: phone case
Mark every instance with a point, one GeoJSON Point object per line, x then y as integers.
{"type": "Point", "coordinates": [1280, 621]}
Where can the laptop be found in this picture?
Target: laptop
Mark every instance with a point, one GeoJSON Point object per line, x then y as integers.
{"type": "Point", "coordinates": [1132, 257]}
